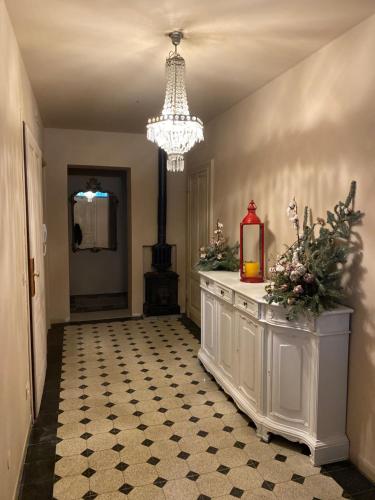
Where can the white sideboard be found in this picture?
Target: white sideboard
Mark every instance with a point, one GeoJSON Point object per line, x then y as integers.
{"type": "Point", "coordinates": [290, 377]}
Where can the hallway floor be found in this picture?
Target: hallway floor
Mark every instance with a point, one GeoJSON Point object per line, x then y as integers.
{"type": "Point", "coordinates": [139, 418]}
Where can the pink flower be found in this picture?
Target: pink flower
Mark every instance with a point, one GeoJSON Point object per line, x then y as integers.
{"type": "Point", "coordinates": [298, 290]}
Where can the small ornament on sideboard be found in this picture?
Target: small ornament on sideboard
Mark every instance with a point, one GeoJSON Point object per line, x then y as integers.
{"type": "Point", "coordinates": [306, 278]}
{"type": "Point", "coordinates": [218, 255]}
{"type": "Point", "coordinates": [252, 246]}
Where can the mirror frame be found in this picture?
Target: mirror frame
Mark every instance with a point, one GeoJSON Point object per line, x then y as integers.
{"type": "Point", "coordinates": [94, 185]}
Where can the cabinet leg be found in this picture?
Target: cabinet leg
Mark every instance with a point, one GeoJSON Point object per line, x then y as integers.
{"type": "Point", "coordinates": [263, 434]}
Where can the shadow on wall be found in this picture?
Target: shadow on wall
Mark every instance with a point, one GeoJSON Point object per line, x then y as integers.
{"type": "Point", "coordinates": [308, 134]}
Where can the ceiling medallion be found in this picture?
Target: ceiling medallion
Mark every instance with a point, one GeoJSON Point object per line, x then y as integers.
{"type": "Point", "coordinates": [175, 130]}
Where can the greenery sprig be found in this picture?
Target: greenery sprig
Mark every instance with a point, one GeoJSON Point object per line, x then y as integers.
{"type": "Point", "coordinates": [307, 276]}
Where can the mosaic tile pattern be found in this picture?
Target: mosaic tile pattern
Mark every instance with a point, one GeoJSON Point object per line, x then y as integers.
{"type": "Point", "coordinates": [140, 418]}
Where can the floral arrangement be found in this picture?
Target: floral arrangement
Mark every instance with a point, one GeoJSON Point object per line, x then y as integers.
{"type": "Point", "coordinates": [307, 276]}
{"type": "Point", "coordinates": [218, 255]}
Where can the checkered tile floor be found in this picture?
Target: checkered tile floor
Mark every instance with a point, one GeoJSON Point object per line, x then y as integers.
{"type": "Point", "coordinates": [139, 418]}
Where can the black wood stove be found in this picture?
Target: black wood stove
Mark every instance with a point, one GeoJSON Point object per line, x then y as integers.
{"type": "Point", "coordinates": [161, 285]}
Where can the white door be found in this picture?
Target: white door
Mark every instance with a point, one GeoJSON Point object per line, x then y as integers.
{"type": "Point", "coordinates": [209, 325]}
{"type": "Point", "coordinates": [249, 343]}
{"type": "Point", "coordinates": [199, 231]}
{"type": "Point", "coordinates": [34, 183]}
{"type": "Point", "coordinates": [227, 352]}
{"type": "Point", "coordinates": [290, 377]}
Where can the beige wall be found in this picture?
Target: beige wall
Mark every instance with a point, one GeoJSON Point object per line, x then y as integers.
{"type": "Point", "coordinates": [308, 133]}
{"type": "Point", "coordinates": [16, 104]}
{"type": "Point", "coordinates": [77, 147]}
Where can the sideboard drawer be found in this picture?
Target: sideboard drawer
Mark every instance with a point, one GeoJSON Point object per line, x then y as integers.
{"type": "Point", "coordinates": [247, 305]}
{"type": "Point", "coordinates": [208, 284]}
{"type": "Point", "coordinates": [224, 293]}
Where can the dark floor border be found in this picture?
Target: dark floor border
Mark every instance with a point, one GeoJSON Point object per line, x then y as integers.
{"type": "Point", "coordinates": [38, 471]}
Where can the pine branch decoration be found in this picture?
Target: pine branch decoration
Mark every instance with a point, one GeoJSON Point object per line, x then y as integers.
{"type": "Point", "coordinates": [307, 276]}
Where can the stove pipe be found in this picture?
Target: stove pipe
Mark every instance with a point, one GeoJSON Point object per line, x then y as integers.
{"type": "Point", "coordinates": [162, 252]}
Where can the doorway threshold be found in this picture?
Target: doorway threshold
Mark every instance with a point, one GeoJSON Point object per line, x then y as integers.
{"type": "Point", "coordinates": [100, 315]}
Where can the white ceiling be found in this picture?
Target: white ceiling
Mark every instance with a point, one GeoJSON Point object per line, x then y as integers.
{"type": "Point", "coordinates": [99, 64]}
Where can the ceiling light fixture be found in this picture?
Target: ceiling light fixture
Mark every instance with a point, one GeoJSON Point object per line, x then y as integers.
{"type": "Point", "coordinates": [175, 130]}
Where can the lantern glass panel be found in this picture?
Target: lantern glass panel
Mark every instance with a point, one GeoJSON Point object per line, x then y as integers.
{"type": "Point", "coordinates": [251, 250]}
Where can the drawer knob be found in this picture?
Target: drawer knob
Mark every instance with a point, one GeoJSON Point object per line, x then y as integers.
{"type": "Point", "coordinates": [245, 304]}
{"type": "Point", "coordinates": [222, 292]}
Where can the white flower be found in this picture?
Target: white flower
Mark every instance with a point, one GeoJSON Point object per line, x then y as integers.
{"type": "Point", "coordinates": [219, 256]}
{"type": "Point", "coordinates": [292, 205]}
{"type": "Point", "coordinates": [203, 255]}
{"type": "Point", "coordinates": [280, 268]}
{"type": "Point", "coordinates": [272, 270]}
{"type": "Point", "coordinates": [220, 225]}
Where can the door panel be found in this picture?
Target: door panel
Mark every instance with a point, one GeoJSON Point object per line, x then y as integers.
{"type": "Point", "coordinates": [34, 183]}
{"type": "Point", "coordinates": [209, 325]}
{"type": "Point", "coordinates": [227, 345]}
{"type": "Point", "coordinates": [199, 228]}
{"type": "Point", "coordinates": [290, 378]}
{"type": "Point", "coordinates": [249, 362]}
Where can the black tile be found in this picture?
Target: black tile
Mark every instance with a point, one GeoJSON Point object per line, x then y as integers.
{"type": "Point", "coordinates": [160, 482]}
{"type": "Point", "coordinates": [126, 488]}
{"type": "Point", "coordinates": [298, 479]}
{"type": "Point", "coordinates": [203, 497]}
{"type": "Point", "coordinates": [147, 442]}
{"type": "Point", "coordinates": [122, 466]}
{"type": "Point", "coordinates": [38, 471]}
{"type": "Point", "coordinates": [212, 450]}
{"type": "Point", "coordinates": [43, 433]}
{"type": "Point", "coordinates": [193, 476]}
{"type": "Point", "coordinates": [153, 460]}
{"type": "Point", "coordinates": [183, 455]}
{"type": "Point", "coordinates": [175, 438]}
{"type": "Point", "coordinates": [351, 480]}
{"type": "Point", "coordinates": [239, 444]}
{"type": "Point", "coordinates": [280, 458]}
{"type": "Point", "coordinates": [88, 472]}
{"type": "Point", "coordinates": [268, 485]}
{"type": "Point", "coordinates": [43, 451]}
{"type": "Point", "coordinates": [202, 433]}
{"type": "Point", "coordinates": [36, 491]}
{"type": "Point", "coordinates": [236, 492]}
{"type": "Point", "coordinates": [252, 463]}
{"type": "Point", "coordinates": [223, 469]}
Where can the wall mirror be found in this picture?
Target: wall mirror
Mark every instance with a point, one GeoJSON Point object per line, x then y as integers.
{"type": "Point", "coordinates": [94, 218]}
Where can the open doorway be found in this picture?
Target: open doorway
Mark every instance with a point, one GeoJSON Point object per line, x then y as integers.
{"type": "Point", "coordinates": [99, 206]}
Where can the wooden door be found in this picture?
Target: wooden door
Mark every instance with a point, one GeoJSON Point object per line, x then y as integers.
{"type": "Point", "coordinates": [199, 232]}
{"type": "Point", "coordinates": [36, 230]}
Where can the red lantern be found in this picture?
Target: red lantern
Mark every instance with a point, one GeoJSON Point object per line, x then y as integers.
{"type": "Point", "coordinates": [252, 246]}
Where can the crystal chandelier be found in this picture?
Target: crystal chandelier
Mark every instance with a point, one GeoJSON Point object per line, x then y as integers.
{"type": "Point", "coordinates": [175, 130]}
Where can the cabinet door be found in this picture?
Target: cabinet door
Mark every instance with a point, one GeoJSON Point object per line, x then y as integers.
{"type": "Point", "coordinates": [227, 355]}
{"type": "Point", "coordinates": [209, 325]}
{"type": "Point", "coordinates": [290, 376]}
{"type": "Point", "coordinates": [249, 346]}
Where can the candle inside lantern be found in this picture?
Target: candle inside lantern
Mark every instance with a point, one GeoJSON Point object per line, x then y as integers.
{"type": "Point", "coordinates": [251, 269]}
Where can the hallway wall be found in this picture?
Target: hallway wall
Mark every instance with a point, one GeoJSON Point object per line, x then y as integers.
{"type": "Point", "coordinates": [308, 133]}
{"type": "Point", "coordinates": [80, 147]}
{"type": "Point", "coordinates": [17, 103]}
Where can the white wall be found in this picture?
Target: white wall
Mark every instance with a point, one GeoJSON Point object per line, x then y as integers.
{"type": "Point", "coordinates": [133, 151]}
{"type": "Point", "coordinates": [308, 133]}
{"type": "Point", "coordinates": [17, 103]}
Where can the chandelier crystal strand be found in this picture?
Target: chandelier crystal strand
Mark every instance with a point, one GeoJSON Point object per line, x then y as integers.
{"type": "Point", "coordinates": [175, 130]}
